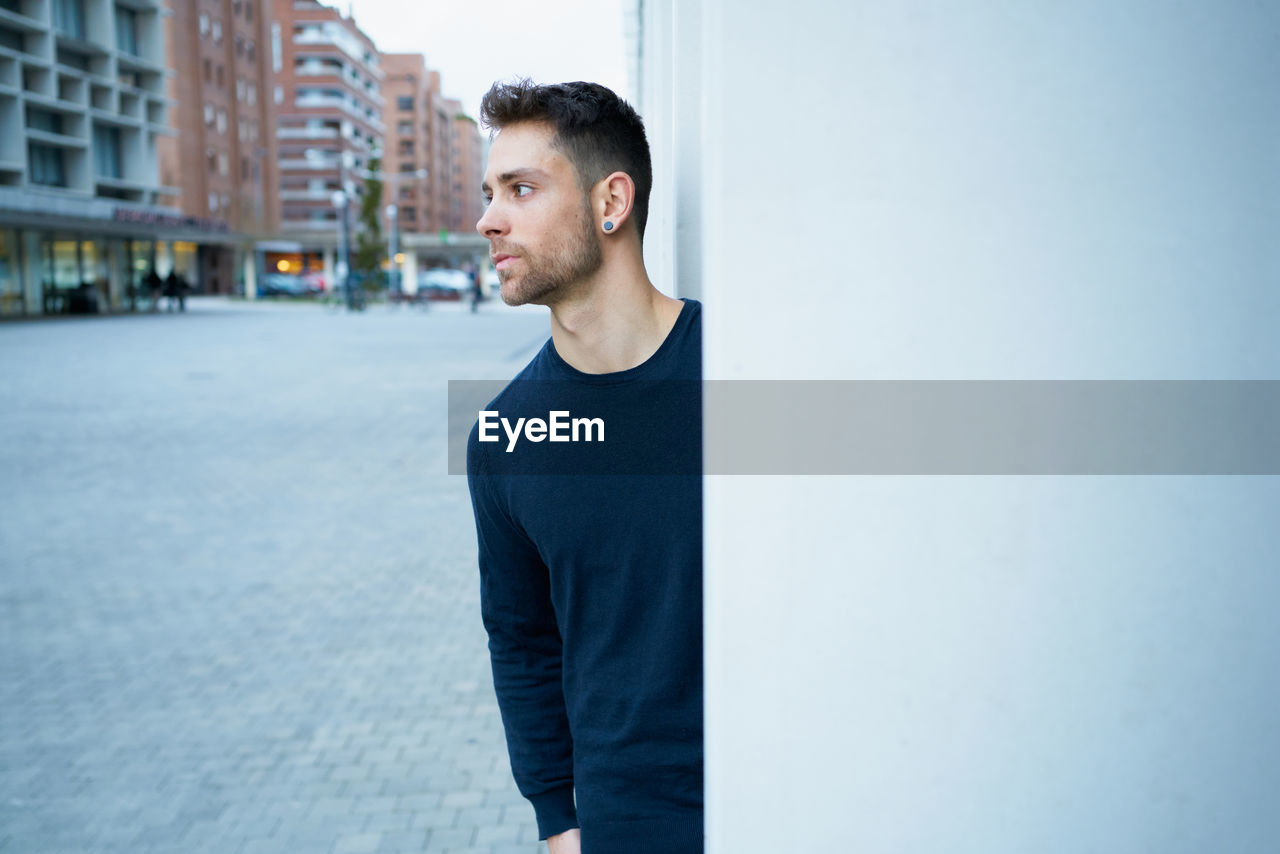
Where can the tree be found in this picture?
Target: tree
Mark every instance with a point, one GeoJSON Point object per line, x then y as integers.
{"type": "Point", "coordinates": [369, 243]}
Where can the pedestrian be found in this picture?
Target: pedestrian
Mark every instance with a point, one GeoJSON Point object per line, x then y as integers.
{"type": "Point", "coordinates": [476, 294]}
{"type": "Point", "coordinates": [154, 285]}
{"type": "Point", "coordinates": [591, 583]}
{"type": "Point", "coordinates": [171, 290]}
{"type": "Point", "coordinates": [182, 292]}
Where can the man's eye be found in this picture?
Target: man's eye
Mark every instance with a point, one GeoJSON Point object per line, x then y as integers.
{"type": "Point", "coordinates": [487, 200]}
{"type": "Point", "coordinates": [523, 190]}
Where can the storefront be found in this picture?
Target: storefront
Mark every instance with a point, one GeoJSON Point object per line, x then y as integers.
{"type": "Point", "coordinates": [117, 262]}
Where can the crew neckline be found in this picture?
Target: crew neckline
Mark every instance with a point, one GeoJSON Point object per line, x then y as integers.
{"type": "Point", "coordinates": [637, 372]}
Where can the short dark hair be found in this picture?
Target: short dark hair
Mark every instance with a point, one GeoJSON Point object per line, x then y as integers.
{"type": "Point", "coordinates": [598, 132]}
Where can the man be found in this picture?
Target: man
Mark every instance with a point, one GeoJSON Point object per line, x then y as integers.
{"type": "Point", "coordinates": [590, 551]}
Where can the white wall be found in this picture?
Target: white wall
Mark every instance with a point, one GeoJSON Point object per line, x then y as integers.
{"type": "Point", "coordinates": [982, 191]}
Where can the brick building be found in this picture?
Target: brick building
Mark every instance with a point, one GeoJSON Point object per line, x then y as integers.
{"type": "Point", "coordinates": [407, 141]}
{"type": "Point", "coordinates": [426, 130]}
{"type": "Point", "coordinates": [327, 90]}
{"type": "Point", "coordinates": [222, 161]}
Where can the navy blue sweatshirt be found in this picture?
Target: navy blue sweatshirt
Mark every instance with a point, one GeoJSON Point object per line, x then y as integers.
{"type": "Point", "coordinates": [591, 591]}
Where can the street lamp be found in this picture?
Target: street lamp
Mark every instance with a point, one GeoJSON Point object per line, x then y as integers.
{"type": "Point", "coordinates": [343, 271]}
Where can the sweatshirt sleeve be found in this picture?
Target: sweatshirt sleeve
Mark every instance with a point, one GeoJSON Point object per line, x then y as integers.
{"type": "Point", "coordinates": [525, 653]}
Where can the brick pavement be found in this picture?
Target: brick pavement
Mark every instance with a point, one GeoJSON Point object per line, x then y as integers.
{"type": "Point", "coordinates": [238, 604]}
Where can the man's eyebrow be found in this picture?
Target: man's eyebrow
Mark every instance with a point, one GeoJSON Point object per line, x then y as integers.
{"type": "Point", "coordinates": [516, 174]}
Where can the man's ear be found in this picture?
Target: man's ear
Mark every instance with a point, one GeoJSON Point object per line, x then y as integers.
{"type": "Point", "coordinates": [612, 201]}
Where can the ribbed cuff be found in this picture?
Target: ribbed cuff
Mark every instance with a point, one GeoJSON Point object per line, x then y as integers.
{"type": "Point", "coordinates": [554, 811]}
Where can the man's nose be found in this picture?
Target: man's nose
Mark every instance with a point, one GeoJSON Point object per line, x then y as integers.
{"type": "Point", "coordinates": [490, 223]}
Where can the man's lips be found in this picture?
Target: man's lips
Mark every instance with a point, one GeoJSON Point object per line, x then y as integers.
{"type": "Point", "coordinates": [501, 261]}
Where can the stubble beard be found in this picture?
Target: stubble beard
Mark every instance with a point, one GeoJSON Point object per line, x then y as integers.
{"type": "Point", "coordinates": [548, 276]}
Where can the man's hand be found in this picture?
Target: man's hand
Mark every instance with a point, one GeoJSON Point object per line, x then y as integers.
{"type": "Point", "coordinates": [569, 842]}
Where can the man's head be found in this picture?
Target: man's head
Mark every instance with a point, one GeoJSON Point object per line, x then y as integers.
{"type": "Point", "coordinates": [569, 169]}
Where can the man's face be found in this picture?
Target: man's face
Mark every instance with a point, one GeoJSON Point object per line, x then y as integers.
{"type": "Point", "coordinates": [539, 224]}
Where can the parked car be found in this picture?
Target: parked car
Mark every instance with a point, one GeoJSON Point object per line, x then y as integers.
{"type": "Point", "coordinates": [444, 284]}
{"type": "Point", "coordinates": [284, 285]}
{"type": "Point", "coordinates": [315, 282]}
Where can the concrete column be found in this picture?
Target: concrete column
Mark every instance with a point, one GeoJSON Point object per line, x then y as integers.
{"type": "Point", "coordinates": [32, 265]}
{"type": "Point", "coordinates": [251, 274]}
{"type": "Point", "coordinates": [330, 274]}
{"type": "Point", "coordinates": [994, 664]}
{"type": "Point", "coordinates": [115, 274]}
{"type": "Point", "coordinates": [409, 272]}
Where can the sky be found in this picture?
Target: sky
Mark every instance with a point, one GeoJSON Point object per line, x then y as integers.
{"type": "Point", "coordinates": [472, 45]}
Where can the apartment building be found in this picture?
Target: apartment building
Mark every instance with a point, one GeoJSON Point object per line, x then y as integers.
{"type": "Point", "coordinates": [327, 92]}
{"type": "Point", "coordinates": [407, 158]}
{"type": "Point", "coordinates": [222, 162]}
{"type": "Point", "coordinates": [466, 198]}
{"type": "Point", "coordinates": [426, 130]}
{"type": "Point", "coordinates": [83, 106]}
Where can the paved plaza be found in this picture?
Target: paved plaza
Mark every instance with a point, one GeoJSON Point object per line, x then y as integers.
{"type": "Point", "coordinates": [238, 596]}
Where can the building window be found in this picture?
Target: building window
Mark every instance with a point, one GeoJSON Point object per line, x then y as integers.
{"type": "Point", "coordinates": [244, 169]}
{"type": "Point", "coordinates": [47, 166]}
{"type": "Point", "coordinates": [106, 151]}
{"type": "Point", "coordinates": [13, 40]}
{"type": "Point", "coordinates": [404, 128]}
{"type": "Point", "coordinates": [127, 30]}
{"type": "Point", "coordinates": [221, 77]}
{"type": "Point", "coordinates": [213, 203]}
{"type": "Point", "coordinates": [251, 94]}
{"type": "Point", "coordinates": [248, 50]}
{"type": "Point", "coordinates": [204, 24]}
{"type": "Point", "coordinates": [222, 121]}
{"type": "Point", "coordinates": [208, 114]}
{"type": "Point", "coordinates": [222, 163]}
{"type": "Point", "coordinates": [406, 147]}
{"type": "Point", "coordinates": [409, 214]}
{"type": "Point", "coordinates": [68, 17]}
{"type": "Point", "coordinates": [404, 102]}
{"type": "Point", "coordinates": [407, 166]}
{"type": "Point", "coordinates": [208, 71]}
{"type": "Point", "coordinates": [217, 32]}
{"type": "Point", "coordinates": [211, 160]}
{"type": "Point", "coordinates": [44, 120]}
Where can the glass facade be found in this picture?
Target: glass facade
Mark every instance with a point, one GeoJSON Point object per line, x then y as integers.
{"type": "Point", "coordinates": [78, 272]}
{"type": "Point", "coordinates": [12, 298]}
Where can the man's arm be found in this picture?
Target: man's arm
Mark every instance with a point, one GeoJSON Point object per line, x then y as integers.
{"type": "Point", "coordinates": [569, 842]}
{"type": "Point", "coordinates": [525, 652]}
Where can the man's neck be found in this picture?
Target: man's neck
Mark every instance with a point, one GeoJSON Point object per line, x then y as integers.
{"type": "Point", "coordinates": [613, 323]}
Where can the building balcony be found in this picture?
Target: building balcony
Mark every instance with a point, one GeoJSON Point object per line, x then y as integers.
{"type": "Point", "coordinates": [322, 102]}
{"type": "Point", "coordinates": [79, 45]}
{"type": "Point", "coordinates": [59, 139]}
{"type": "Point", "coordinates": [22, 22]}
{"type": "Point", "coordinates": [307, 133]}
{"type": "Point", "coordinates": [316, 165]}
{"type": "Point", "coordinates": [307, 195]}
{"type": "Point", "coordinates": [132, 62]}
